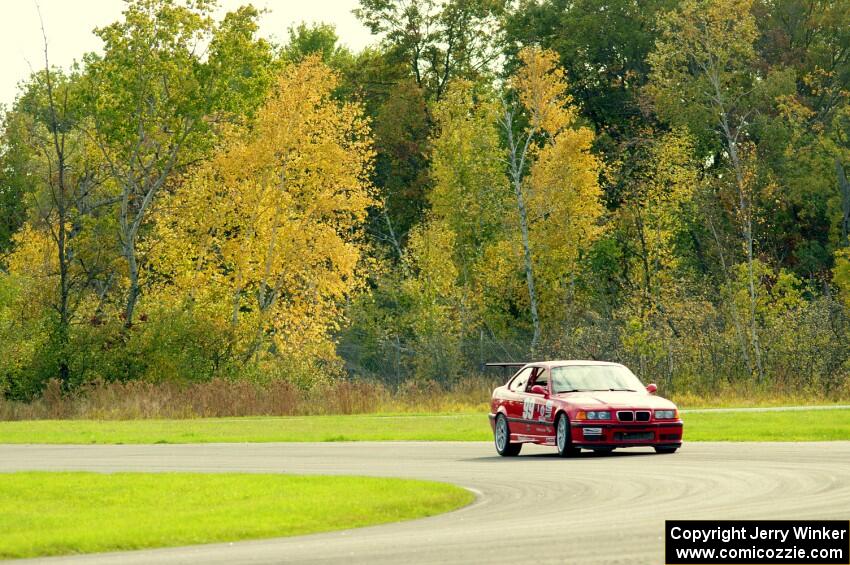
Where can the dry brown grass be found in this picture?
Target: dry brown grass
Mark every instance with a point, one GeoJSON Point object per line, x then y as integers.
{"type": "Point", "coordinates": [752, 397]}
{"type": "Point", "coordinates": [226, 398]}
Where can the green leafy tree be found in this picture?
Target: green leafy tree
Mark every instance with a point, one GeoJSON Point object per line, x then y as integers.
{"type": "Point", "coordinates": [806, 45]}
{"type": "Point", "coordinates": [320, 39]}
{"type": "Point", "coordinates": [440, 40]}
{"type": "Point", "coordinates": [423, 47]}
{"type": "Point", "coordinates": [604, 76]}
{"type": "Point", "coordinates": [703, 77]}
{"type": "Point", "coordinates": [16, 178]}
{"type": "Point", "coordinates": [155, 99]}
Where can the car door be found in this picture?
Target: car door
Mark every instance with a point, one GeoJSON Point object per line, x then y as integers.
{"type": "Point", "coordinates": [541, 405]}
{"type": "Point", "coordinates": [514, 397]}
{"type": "Point", "coordinates": [529, 403]}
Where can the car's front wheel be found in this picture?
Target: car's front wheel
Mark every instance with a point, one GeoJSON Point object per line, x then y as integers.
{"type": "Point", "coordinates": [562, 437]}
{"type": "Point", "coordinates": [666, 449]}
{"type": "Point", "coordinates": [502, 434]}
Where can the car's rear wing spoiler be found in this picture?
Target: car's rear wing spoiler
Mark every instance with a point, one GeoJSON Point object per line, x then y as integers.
{"type": "Point", "coordinates": [506, 366]}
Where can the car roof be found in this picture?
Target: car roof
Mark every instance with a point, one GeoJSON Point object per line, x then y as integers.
{"type": "Point", "coordinates": [569, 362]}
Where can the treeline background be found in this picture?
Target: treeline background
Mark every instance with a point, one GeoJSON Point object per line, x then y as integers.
{"type": "Point", "coordinates": [662, 183]}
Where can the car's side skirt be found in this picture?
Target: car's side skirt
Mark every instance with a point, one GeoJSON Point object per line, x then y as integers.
{"type": "Point", "coordinates": [526, 438]}
{"type": "Point", "coordinates": [531, 422]}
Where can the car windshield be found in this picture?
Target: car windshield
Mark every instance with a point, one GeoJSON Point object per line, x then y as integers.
{"type": "Point", "coordinates": [574, 378]}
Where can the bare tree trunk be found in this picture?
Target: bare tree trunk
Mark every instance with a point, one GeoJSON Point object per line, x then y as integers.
{"type": "Point", "coordinates": [739, 331]}
{"type": "Point", "coordinates": [393, 238]}
{"type": "Point", "coordinates": [844, 186]}
{"type": "Point", "coordinates": [745, 208]}
{"type": "Point", "coordinates": [134, 291]}
{"type": "Point", "coordinates": [730, 137]}
{"type": "Point", "coordinates": [647, 278]}
{"type": "Point", "coordinates": [141, 186]}
{"type": "Point", "coordinates": [59, 196]}
{"type": "Point", "coordinates": [529, 268]}
{"type": "Point", "coordinates": [64, 279]}
{"type": "Point", "coordinates": [517, 165]}
{"type": "Point", "coordinates": [140, 179]}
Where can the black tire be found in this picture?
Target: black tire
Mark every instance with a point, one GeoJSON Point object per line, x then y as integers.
{"type": "Point", "coordinates": [563, 441]}
{"type": "Point", "coordinates": [666, 449]}
{"type": "Point", "coordinates": [502, 438]}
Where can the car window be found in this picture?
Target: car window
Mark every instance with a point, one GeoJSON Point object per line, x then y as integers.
{"type": "Point", "coordinates": [594, 377]}
{"type": "Point", "coordinates": [540, 378]}
{"type": "Point", "coordinates": [519, 382]}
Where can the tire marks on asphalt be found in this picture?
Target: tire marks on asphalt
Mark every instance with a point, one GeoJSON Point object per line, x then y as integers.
{"type": "Point", "coordinates": [535, 508]}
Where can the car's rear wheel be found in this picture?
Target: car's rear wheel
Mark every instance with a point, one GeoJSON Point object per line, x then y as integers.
{"type": "Point", "coordinates": [666, 449]}
{"type": "Point", "coordinates": [562, 437]}
{"type": "Point", "coordinates": [502, 434]}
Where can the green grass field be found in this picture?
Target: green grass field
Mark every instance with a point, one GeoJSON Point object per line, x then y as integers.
{"type": "Point", "coordinates": [805, 425]}
{"type": "Point", "coordinates": [60, 513]}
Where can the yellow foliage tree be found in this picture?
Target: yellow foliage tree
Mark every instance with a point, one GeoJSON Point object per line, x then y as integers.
{"type": "Point", "coordinates": [654, 211]}
{"type": "Point", "coordinates": [436, 302]}
{"type": "Point", "coordinates": [467, 167]}
{"type": "Point", "coordinates": [267, 237]}
{"type": "Point", "coordinates": [555, 178]}
{"type": "Point", "coordinates": [704, 76]}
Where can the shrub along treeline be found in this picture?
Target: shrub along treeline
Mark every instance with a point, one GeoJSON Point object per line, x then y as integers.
{"type": "Point", "coordinates": [227, 398]}
{"type": "Point", "coordinates": [662, 183]}
{"type": "Point", "coordinates": [218, 397]}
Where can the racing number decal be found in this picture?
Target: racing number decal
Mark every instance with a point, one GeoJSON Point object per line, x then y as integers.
{"type": "Point", "coordinates": [544, 411]}
{"type": "Point", "coordinates": [528, 409]}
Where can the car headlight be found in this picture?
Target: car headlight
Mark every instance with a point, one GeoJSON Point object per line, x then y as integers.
{"type": "Point", "coordinates": [598, 415]}
{"type": "Point", "coordinates": [665, 414]}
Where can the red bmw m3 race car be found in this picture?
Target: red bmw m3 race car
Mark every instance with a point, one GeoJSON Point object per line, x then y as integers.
{"type": "Point", "coordinates": [576, 405]}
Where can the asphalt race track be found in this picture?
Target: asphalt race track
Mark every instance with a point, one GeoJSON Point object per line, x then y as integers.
{"type": "Point", "coordinates": [536, 508]}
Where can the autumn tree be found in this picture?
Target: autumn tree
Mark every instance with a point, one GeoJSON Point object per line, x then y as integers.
{"type": "Point", "coordinates": [605, 78]}
{"type": "Point", "coordinates": [437, 306]}
{"type": "Point", "coordinates": [268, 235]}
{"type": "Point", "coordinates": [470, 193]}
{"type": "Point", "coordinates": [60, 205]}
{"type": "Point", "coordinates": [418, 318]}
{"type": "Point", "coordinates": [703, 77]}
{"type": "Point", "coordinates": [655, 212]}
{"type": "Point", "coordinates": [54, 251]}
{"type": "Point", "coordinates": [554, 178]}
{"type": "Point", "coordinates": [423, 47]}
{"type": "Point", "coordinates": [812, 39]}
{"type": "Point", "coordinates": [55, 257]}
{"type": "Point", "coordinates": [155, 96]}
{"type": "Point", "coordinates": [469, 204]}
{"type": "Point", "coordinates": [664, 183]}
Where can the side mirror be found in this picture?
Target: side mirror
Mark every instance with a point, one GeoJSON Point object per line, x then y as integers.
{"type": "Point", "coordinates": [537, 389]}
{"type": "Point", "coordinates": [651, 388]}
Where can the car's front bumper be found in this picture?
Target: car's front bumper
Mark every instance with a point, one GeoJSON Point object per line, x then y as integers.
{"type": "Point", "coordinates": [622, 434]}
